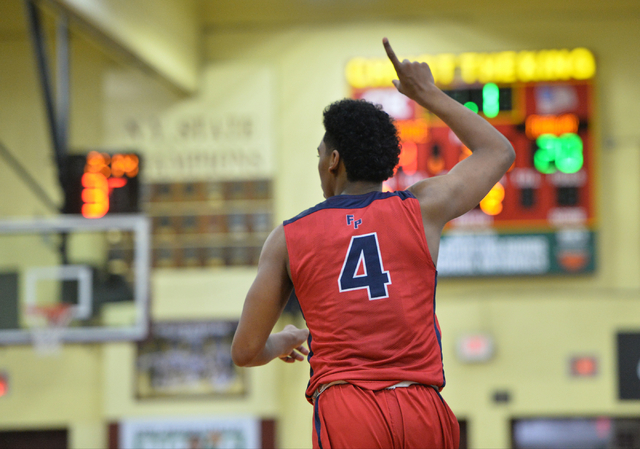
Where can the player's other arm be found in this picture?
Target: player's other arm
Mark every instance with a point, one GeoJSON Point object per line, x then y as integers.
{"type": "Point", "coordinates": [446, 197]}
{"type": "Point", "coordinates": [253, 343]}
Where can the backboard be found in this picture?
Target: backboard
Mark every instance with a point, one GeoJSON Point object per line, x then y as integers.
{"type": "Point", "coordinates": [98, 267]}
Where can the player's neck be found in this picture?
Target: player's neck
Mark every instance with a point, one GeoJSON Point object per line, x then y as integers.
{"type": "Point", "coordinates": [358, 188]}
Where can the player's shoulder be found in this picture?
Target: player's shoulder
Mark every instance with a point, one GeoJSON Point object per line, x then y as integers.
{"type": "Point", "coordinates": [304, 213]}
{"type": "Point", "coordinates": [432, 193]}
{"type": "Point", "coordinates": [276, 235]}
{"type": "Point", "coordinates": [275, 246]}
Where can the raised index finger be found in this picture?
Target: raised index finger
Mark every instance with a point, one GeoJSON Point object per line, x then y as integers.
{"type": "Point", "coordinates": [390, 53]}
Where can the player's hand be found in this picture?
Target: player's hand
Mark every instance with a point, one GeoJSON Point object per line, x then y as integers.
{"type": "Point", "coordinates": [291, 341]}
{"type": "Point", "coordinates": [414, 78]}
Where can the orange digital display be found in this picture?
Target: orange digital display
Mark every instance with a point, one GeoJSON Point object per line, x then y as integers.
{"type": "Point", "coordinates": [102, 174]}
{"type": "Point", "coordinates": [537, 125]}
{"type": "Point", "coordinates": [101, 183]}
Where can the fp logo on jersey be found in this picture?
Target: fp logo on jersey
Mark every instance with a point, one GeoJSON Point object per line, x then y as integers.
{"type": "Point", "coordinates": [356, 223]}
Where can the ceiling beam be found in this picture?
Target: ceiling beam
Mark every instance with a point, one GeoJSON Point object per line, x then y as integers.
{"type": "Point", "coordinates": [162, 35]}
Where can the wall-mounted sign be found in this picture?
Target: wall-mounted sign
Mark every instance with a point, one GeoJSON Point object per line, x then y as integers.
{"type": "Point", "coordinates": [472, 68]}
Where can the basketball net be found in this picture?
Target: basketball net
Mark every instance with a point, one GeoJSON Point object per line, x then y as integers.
{"type": "Point", "coordinates": [48, 324]}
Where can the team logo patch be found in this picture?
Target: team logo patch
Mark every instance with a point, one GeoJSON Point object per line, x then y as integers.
{"type": "Point", "coordinates": [351, 220]}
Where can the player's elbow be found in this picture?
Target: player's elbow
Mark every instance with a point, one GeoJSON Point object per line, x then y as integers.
{"type": "Point", "coordinates": [511, 152]}
{"type": "Point", "coordinates": [508, 154]}
{"type": "Point", "coordinates": [241, 354]}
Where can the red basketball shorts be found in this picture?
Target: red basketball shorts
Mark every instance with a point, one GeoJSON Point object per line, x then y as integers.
{"type": "Point", "coordinates": [346, 416]}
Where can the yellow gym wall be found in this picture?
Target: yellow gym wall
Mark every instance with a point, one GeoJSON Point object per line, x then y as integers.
{"type": "Point", "coordinates": [537, 323]}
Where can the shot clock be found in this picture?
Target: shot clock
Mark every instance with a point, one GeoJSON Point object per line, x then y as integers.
{"type": "Point", "coordinates": [100, 183]}
{"type": "Point", "coordinates": [540, 218]}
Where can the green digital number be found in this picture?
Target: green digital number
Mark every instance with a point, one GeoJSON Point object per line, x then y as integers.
{"type": "Point", "coordinates": [471, 105]}
{"type": "Point", "coordinates": [490, 100]}
{"type": "Point", "coordinates": [559, 153]}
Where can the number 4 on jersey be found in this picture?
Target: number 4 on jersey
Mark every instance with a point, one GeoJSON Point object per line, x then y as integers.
{"type": "Point", "coordinates": [364, 251]}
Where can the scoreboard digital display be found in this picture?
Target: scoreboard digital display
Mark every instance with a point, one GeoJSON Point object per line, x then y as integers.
{"type": "Point", "coordinates": [99, 183]}
{"type": "Point", "coordinates": [540, 218]}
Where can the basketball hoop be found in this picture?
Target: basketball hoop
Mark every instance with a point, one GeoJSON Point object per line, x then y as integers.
{"type": "Point", "coordinates": [48, 323]}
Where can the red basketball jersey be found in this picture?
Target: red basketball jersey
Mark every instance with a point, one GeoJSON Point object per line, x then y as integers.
{"type": "Point", "coordinates": [366, 283]}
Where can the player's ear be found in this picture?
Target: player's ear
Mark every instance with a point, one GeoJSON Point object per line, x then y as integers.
{"type": "Point", "coordinates": [334, 161]}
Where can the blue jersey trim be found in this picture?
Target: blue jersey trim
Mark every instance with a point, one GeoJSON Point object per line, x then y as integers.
{"type": "Point", "coordinates": [435, 327]}
{"type": "Point", "coordinates": [316, 421]}
{"type": "Point", "coordinates": [309, 360]}
{"type": "Point", "coordinates": [351, 202]}
{"type": "Point", "coordinates": [439, 395]}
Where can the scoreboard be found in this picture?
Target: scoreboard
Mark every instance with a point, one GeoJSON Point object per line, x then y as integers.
{"type": "Point", "coordinates": [540, 218]}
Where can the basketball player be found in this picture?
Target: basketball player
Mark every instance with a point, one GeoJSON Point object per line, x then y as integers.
{"type": "Point", "coordinates": [363, 267]}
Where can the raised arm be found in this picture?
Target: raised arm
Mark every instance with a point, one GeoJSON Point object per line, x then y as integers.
{"type": "Point", "coordinates": [443, 198]}
{"type": "Point", "coordinates": [253, 343]}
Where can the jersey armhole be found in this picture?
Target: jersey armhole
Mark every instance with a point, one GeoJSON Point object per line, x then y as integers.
{"type": "Point", "coordinates": [423, 234]}
{"type": "Point", "coordinates": [292, 273]}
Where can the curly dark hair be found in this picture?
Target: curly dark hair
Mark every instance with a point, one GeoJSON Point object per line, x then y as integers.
{"type": "Point", "coordinates": [365, 137]}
